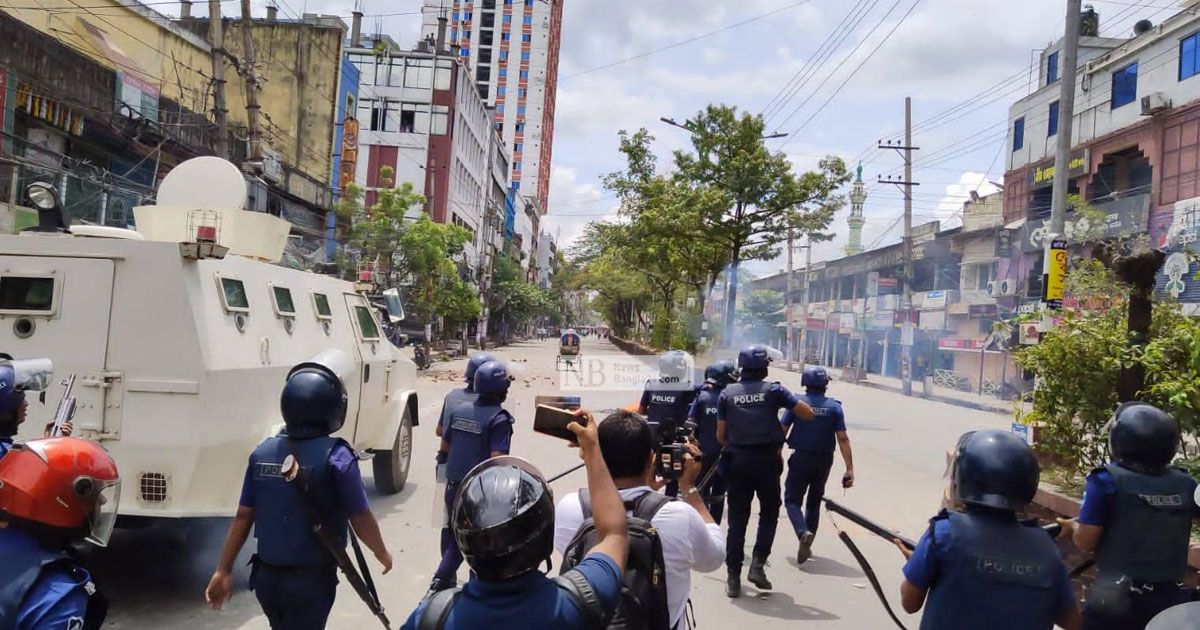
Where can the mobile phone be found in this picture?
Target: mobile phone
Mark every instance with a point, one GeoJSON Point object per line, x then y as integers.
{"type": "Point", "coordinates": [553, 421]}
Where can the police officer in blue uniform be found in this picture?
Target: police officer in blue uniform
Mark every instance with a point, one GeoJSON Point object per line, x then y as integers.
{"type": "Point", "coordinates": [53, 493]}
{"type": "Point", "coordinates": [475, 431]}
{"type": "Point", "coordinates": [1136, 517]}
{"type": "Point", "coordinates": [748, 426]}
{"type": "Point", "coordinates": [293, 576]}
{"type": "Point", "coordinates": [665, 402]}
{"type": "Point", "coordinates": [16, 378]}
{"type": "Point", "coordinates": [812, 457]}
{"type": "Point", "coordinates": [503, 520]}
{"type": "Point", "coordinates": [704, 415]}
{"type": "Point", "coordinates": [982, 568]}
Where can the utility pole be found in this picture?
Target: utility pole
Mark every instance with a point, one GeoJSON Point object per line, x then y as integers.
{"type": "Point", "coordinates": [790, 282]}
{"type": "Point", "coordinates": [907, 332]}
{"type": "Point", "coordinates": [249, 70]}
{"type": "Point", "coordinates": [1066, 124]}
{"type": "Point", "coordinates": [804, 304]}
{"type": "Point", "coordinates": [216, 40]}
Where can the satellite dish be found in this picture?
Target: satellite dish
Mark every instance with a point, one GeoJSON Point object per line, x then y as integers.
{"type": "Point", "coordinates": [204, 182]}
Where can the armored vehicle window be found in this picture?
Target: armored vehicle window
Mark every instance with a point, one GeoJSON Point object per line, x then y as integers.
{"type": "Point", "coordinates": [235, 294]}
{"type": "Point", "coordinates": [18, 293]}
{"type": "Point", "coordinates": [283, 301]}
{"type": "Point", "coordinates": [321, 303]}
{"type": "Point", "coordinates": [366, 323]}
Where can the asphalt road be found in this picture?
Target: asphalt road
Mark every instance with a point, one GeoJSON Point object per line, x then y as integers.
{"type": "Point", "coordinates": [155, 577]}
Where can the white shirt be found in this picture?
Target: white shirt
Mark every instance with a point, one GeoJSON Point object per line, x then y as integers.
{"type": "Point", "coordinates": [688, 542]}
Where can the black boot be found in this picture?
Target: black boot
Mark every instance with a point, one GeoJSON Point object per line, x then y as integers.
{"type": "Point", "coordinates": [758, 574]}
{"type": "Point", "coordinates": [806, 541]}
{"type": "Point", "coordinates": [733, 585]}
{"type": "Point", "coordinates": [437, 585]}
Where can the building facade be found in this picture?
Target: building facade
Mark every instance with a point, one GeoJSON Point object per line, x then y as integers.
{"type": "Point", "coordinates": [512, 49]}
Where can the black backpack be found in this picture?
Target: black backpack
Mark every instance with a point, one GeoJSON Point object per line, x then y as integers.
{"type": "Point", "coordinates": [642, 604]}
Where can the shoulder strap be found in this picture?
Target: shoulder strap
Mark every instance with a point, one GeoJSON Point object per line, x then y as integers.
{"type": "Point", "coordinates": [649, 504]}
{"type": "Point", "coordinates": [595, 615]}
{"type": "Point", "coordinates": [437, 609]}
{"type": "Point", "coordinates": [585, 503]}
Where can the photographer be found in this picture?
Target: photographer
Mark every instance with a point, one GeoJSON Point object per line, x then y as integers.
{"type": "Point", "coordinates": [504, 522]}
{"type": "Point", "coordinates": [690, 538]}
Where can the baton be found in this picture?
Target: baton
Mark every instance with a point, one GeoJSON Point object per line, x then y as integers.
{"type": "Point", "coordinates": [294, 475]}
{"type": "Point", "coordinates": [565, 473]}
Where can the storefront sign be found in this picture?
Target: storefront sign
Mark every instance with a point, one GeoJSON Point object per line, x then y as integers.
{"type": "Point", "coordinates": [933, 320]}
{"type": "Point", "coordinates": [1029, 333]}
{"type": "Point", "coordinates": [846, 324]}
{"type": "Point", "coordinates": [983, 311]}
{"type": "Point", "coordinates": [1056, 274]}
{"type": "Point", "coordinates": [1042, 175]}
{"type": "Point", "coordinates": [349, 161]}
{"type": "Point", "coordinates": [961, 344]}
{"type": "Point", "coordinates": [873, 284]}
{"type": "Point", "coordinates": [1003, 244]}
{"type": "Point", "coordinates": [816, 324]}
{"type": "Point", "coordinates": [889, 286]}
{"type": "Point", "coordinates": [1123, 217]}
{"type": "Point", "coordinates": [934, 300]}
{"type": "Point", "coordinates": [136, 97]}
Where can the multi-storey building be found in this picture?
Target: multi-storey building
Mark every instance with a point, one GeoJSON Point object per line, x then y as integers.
{"type": "Point", "coordinates": [511, 48]}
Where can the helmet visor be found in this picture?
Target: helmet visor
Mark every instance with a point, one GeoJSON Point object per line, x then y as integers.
{"type": "Point", "coordinates": [104, 516]}
{"type": "Point", "coordinates": [31, 374]}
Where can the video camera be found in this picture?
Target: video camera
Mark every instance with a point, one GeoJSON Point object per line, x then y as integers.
{"type": "Point", "coordinates": [670, 453]}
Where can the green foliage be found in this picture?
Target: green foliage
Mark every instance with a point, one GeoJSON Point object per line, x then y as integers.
{"type": "Point", "coordinates": [761, 313]}
{"type": "Point", "coordinates": [1172, 362]}
{"type": "Point", "coordinates": [429, 253]}
{"type": "Point", "coordinates": [376, 232]}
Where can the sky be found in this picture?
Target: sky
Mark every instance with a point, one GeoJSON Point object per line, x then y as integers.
{"type": "Point", "coordinates": [832, 74]}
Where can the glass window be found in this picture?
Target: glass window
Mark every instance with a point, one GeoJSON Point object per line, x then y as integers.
{"type": "Point", "coordinates": [234, 292]}
{"type": "Point", "coordinates": [485, 55]}
{"type": "Point", "coordinates": [487, 19]}
{"type": "Point", "coordinates": [518, 147]}
{"type": "Point", "coordinates": [521, 110]}
{"type": "Point", "coordinates": [505, 37]}
{"type": "Point", "coordinates": [483, 73]}
{"type": "Point", "coordinates": [516, 166]}
{"type": "Point", "coordinates": [382, 70]}
{"type": "Point", "coordinates": [522, 92]}
{"type": "Point", "coordinates": [503, 73]}
{"type": "Point", "coordinates": [526, 37]}
{"type": "Point", "coordinates": [366, 323]}
{"type": "Point", "coordinates": [19, 293]}
{"type": "Point", "coordinates": [1018, 133]}
{"type": "Point", "coordinates": [501, 91]}
{"type": "Point", "coordinates": [1052, 127]}
{"type": "Point", "coordinates": [1189, 56]}
{"type": "Point", "coordinates": [524, 56]}
{"type": "Point", "coordinates": [507, 19]}
{"type": "Point", "coordinates": [441, 118]}
{"type": "Point", "coordinates": [528, 19]}
{"type": "Point", "coordinates": [283, 301]}
{"type": "Point", "coordinates": [524, 75]}
{"type": "Point", "coordinates": [453, 34]}
{"type": "Point", "coordinates": [1052, 68]}
{"type": "Point", "coordinates": [443, 78]}
{"type": "Point", "coordinates": [487, 38]}
{"type": "Point", "coordinates": [466, 16]}
{"type": "Point", "coordinates": [465, 52]}
{"type": "Point", "coordinates": [520, 127]}
{"type": "Point", "coordinates": [500, 108]}
{"type": "Point", "coordinates": [1124, 85]}
{"type": "Point", "coordinates": [321, 306]}
{"type": "Point", "coordinates": [419, 73]}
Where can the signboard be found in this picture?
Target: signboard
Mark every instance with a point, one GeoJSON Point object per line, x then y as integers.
{"type": "Point", "coordinates": [349, 161]}
{"type": "Point", "coordinates": [1123, 217]}
{"type": "Point", "coordinates": [933, 320]}
{"type": "Point", "coordinates": [889, 286]}
{"type": "Point", "coordinates": [1029, 333]}
{"type": "Point", "coordinates": [1022, 431]}
{"type": "Point", "coordinates": [816, 324]}
{"type": "Point", "coordinates": [961, 344]}
{"type": "Point", "coordinates": [1056, 273]}
{"type": "Point", "coordinates": [873, 284]}
{"type": "Point", "coordinates": [906, 335]}
{"type": "Point", "coordinates": [136, 97]}
{"type": "Point", "coordinates": [934, 300]}
{"type": "Point", "coordinates": [846, 324]}
{"type": "Point", "coordinates": [983, 311]}
{"type": "Point", "coordinates": [1003, 244]}
{"type": "Point", "coordinates": [1042, 175]}
{"type": "Point", "coordinates": [881, 320]}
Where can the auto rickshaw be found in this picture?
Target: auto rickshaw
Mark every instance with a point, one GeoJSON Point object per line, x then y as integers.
{"type": "Point", "coordinates": [568, 350]}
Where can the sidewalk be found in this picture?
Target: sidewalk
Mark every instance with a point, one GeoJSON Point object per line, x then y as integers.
{"type": "Point", "coordinates": [968, 400]}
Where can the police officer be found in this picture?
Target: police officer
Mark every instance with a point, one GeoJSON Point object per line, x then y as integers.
{"type": "Point", "coordinates": [16, 378]}
{"type": "Point", "coordinates": [504, 521]}
{"type": "Point", "coordinates": [748, 426]}
{"type": "Point", "coordinates": [460, 395]}
{"type": "Point", "coordinates": [812, 458]}
{"type": "Point", "coordinates": [475, 431]}
{"type": "Point", "coordinates": [665, 402]}
{"type": "Point", "coordinates": [1136, 517]}
{"type": "Point", "coordinates": [53, 492]}
{"type": "Point", "coordinates": [704, 415]}
{"type": "Point", "coordinates": [294, 576]}
{"type": "Point", "coordinates": [982, 568]}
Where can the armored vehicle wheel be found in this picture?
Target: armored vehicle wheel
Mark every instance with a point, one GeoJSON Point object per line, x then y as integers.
{"type": "Point", "coordinates": [391, 467]}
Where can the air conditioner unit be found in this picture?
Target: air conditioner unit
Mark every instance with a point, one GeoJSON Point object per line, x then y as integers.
{"type": "Point", "coordinates": [995, 287]}
{"type": "Point", "coordinates": [1154, 103]}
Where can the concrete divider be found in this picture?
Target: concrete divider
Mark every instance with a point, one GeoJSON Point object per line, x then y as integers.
{"type": "Point", "coordinates": [632, 347]}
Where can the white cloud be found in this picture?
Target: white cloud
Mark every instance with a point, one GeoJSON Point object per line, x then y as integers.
{"type": "Point", "coordinates": [574, 204]}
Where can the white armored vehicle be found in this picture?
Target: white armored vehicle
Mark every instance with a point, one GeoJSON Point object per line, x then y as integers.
{"type": "Point", "coordinates": [181, 334]}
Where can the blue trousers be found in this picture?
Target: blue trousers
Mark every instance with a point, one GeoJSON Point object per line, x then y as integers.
{"type": "Point", "coordinates": [452, 557]}
{"type": "Point", "coordinates": [804, 488]}
{"type": "Point", "coordinates": [295, 598]}
{"type": "Point", "coordinates": [1134, 612]}
{"type": "Point", "coordinates": [752, 472]}
{"type": "Point", "coordinates": [714, 492]}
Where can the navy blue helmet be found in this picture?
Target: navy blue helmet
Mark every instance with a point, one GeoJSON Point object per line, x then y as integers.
{"type": "Point", "coordinates": [474, 362]}
{"type": "Point", "coordinates": [674, 367]}
{"type": "Point", "coordinates": [755, 357]}
{"type": "Point", "coordinates": [1143, 438]}
{"type": "Point", "coordinates": [313, 402]}
{"type": "Point", "coordinates": [503, 518]}
{"type": "Point", "coordinates": [492, 378]}
{"type": "Point", "coordinates": [995, 469]}
{"type": "Point", "coordinates": [721, 373]}
{"type": "Point", "coordinates": [815, 378]}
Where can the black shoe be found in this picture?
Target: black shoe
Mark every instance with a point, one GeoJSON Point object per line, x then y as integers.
{"type": "Point", "coordinates": [438, 585]}
{"type": "Point", "coordinates": [758, 576]}
{"type": "Point", "coordinates": [806, 541]}
{"type": "Point", "coordinates": [733, 586]}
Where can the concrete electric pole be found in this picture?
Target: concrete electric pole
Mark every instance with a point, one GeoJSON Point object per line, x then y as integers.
{"type": "Point", "coordinates": [249, 70]}
{"type": "Point", "coordinates": [1066, 125]}
{"type": "Point", "coordinates": [216, 40]}
{"type": "Point", "coordinates": [907, 332]}
{"type": "Point", "coordinates": [791, 347]}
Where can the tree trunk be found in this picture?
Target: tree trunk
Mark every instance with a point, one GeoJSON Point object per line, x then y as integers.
{"type": "Point", "coordinates": [731, 296]}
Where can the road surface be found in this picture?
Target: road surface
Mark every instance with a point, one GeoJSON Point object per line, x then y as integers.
{"type": "Point", "coordinates": [155, 577]}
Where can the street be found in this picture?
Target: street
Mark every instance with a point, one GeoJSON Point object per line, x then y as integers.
{"type": "Point", "coordinates": [155, 576]}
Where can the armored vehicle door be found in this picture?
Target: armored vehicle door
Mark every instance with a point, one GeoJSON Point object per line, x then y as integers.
{"type": "Point", "coordinates": [60, 308]}
{"type": "Point", "coordinates": [372, 391]}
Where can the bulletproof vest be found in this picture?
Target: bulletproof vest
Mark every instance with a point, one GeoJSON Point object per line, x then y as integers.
{"type": "Point", "coordinates": [817, 435]}
{"type": "Point", "coordinates": [454, 398]}
{"type": "Point", "coordinates": [1147, 535]}
{"type": "Point", "coordinates": [706, 419]}
{"type": "Point", "coordinates": [281, 525]}
{"type": "Point", "coordinates": [469, 432]}
{"type": "Point", "coordinates": [667, 408]}
{"type": "Point", "coordinates": [22, 568]}
{"type": "Point", "coordinates": [751, 416]}
{"type": "Point", "coordinates": [997, 574]}
{"type": "Point", "coordinates": [6, 445]}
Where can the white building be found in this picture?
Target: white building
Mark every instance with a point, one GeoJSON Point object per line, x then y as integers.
{"type": "Point", "coordinates": [512, 49]}
{"type": "Point", "coordinates": [547, 248]}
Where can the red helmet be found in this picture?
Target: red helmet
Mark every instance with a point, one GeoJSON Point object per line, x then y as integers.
{"type": "Point", "coordinates": [65, 483]}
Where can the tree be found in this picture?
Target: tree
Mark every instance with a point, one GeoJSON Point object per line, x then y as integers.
{"type": "Point", "coordinates": [376, 231]}
{"type": "Point", "coordinates": [430, 254]}
{"type": "Point", "coordinates": [762, 313]}
{"type": "Point", "coordinates": [761, 195]}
